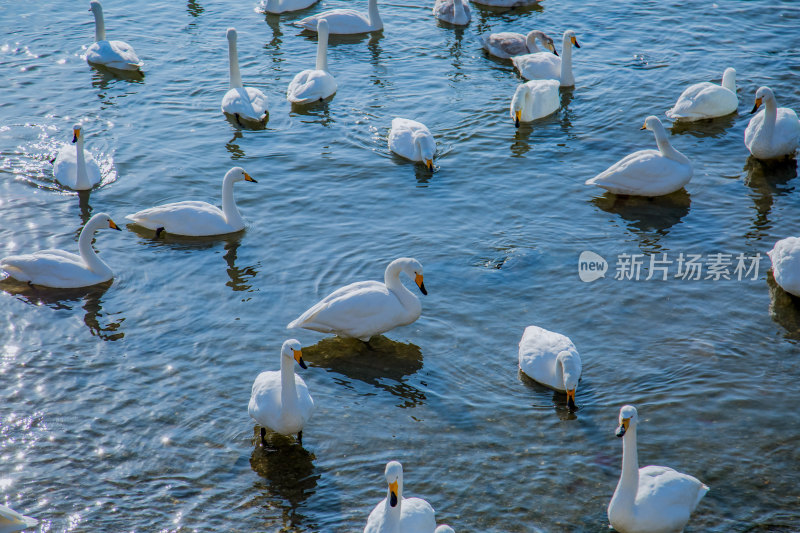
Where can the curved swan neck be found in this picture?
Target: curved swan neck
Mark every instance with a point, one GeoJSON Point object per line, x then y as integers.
{"type": "Point", "coordinates": [729, 80]}
{"type": "Point", "coordinates": [232, 215]}
{"type": "Point", "coordinates": [374, 17]}
{"type": "Point", "coordinates": [392, 280]}
{"type": "Point", "coordinates": [82, 181]}
{"type": "Point", "coordinates": [322, 49]}
{"type": "Point", "coordinates": [664, 145]}
{"type": "Point", "coordinates": [233, 61]}
{"type": "Point", "coordinates": [567, 79]}
{"type": "Point", "coordinates": [288, 387]}
{"type": "Point", "coordinates": [628, 484]}
{"type": "Point", "coordinates": [99, 23]}
{"type": "Point", "coordinates": [88, 254]}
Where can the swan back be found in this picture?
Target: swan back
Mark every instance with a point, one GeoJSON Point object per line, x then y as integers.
{"type": "Point", "coordinates": [549, 358]}
{"type": "Point", "coordinates": [412, 140]}
{"type": "Point", "coordinates": [444, 529]}
{"type": "Point", "coordinates": [534, 99]}
{"type": "Point", "coordinates": [785, 258]}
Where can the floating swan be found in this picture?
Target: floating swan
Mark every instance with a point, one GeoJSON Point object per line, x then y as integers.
{"type": "Point", "coordinates": [195, 219]}
{"type": "Point", "coordinates": [785, 257]}
{"type": "Point", "coordinates": [60, 269]}
{"type": "Point", "coordinates": [111, 54]}
{"type": "Point", "coordinates": [346, 21]}
{"type": "Point", "coordinates": [280, 400]}
{"type": "Point", "coordinates": [707, 100]}
{"type": "Point", "coordinates": [10, 520]}
{"type": "Point", "coordinates": [653, 499]}
{"type": "Point", "coordinates": [544, 66]}
{"type": "Point", "coordinates": [551, 359]}
{"type": "Point", "coordinates": [647, 172]}
{"type": "Point", "coordinates": [74, 167]}
{"type": "Point", "coordinates": [444, 529]}
{"type": "Point", "coordinates": [396, 514]}
{"type": "Point", "coordinates": [318, 84]}
{"type": "Point", "coordinates": [452, 11]}
{"type": "Point", "coordinates": [242, 102]}
{"type": "Point", "coordinates": [506, 3]}
{"type": "Point", "coordinates": [775, 131]}
{"type": "Point", "coordinates": [412, 140]}
{"type": "Point", "coordinates": [367, 308]}
{"type": "Point", "coordinates": [506, 45]}
{"type": "Point", "coordinates": [282, 6]}
{"type": "Point", "coordinates": [534, 99]}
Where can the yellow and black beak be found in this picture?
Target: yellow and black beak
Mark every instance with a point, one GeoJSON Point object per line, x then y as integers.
{"type": "Point", "coordinates": [75, 134]}
{"type": "Point", "coordinates": [575, 42]}
{"type": "Point", "coordinates": [298, 356]}
{"type": "Point", "coordinates": [517, 116]}
{"type": "Point", "coordinates": [553, 48]}
{"type": "Point", "coordinates": [623, 427]}
{"type": "Point", "coordinates": [112, 225]}
{"type": "Point", "coordinates": [644, 127]}
{"type": "Point", "coordinates": [755, 107]}
{"type": "Point", "coordinates": [248, 178]}
{"type": "Point", "coordinates": [420, 284]}
{"type": "Point", "coordinates": [393, 493]}
{"type": "Point", "coordinates": [571, 400]}
{"type": "Point", "coordinates": [429, 164]}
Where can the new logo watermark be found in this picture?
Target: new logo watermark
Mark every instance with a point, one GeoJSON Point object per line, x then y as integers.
{"type": "Point", "coordinates": [694, 267]}
{"type": "Point", "coordinates": [591, 266]}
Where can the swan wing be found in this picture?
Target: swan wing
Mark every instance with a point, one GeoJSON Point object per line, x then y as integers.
{"type": "Point", "coordinates": [286, 5]}
{"type": "Point", "coordinates": [51, 268]}
{"type": "Point", "coordinates": [114, 54]}
{"type": "Point", "coordinates": [666, 498]}
{"type": "Point", "coordinates": [505, 44]}
{"type": "Point", "coordinates": [417, 515]}
{"type": "Point", "coordinates": [248, 102]}
{"type": "Point", "coordinates": [340, 21]}
{"type": "Point", "coordinates": [378, 521]}
{"type": "Point", "coordinates": [538, 66]}
{"type": "Point", "coordinates": [65, 167]}
{"type": "Point", "coordinates": [265, 399]}
{"type": "Point", "coordinates": [787, 129]}
{"type": "Point", "coordinates": [704, 100]}
{"type": "Point", "coordinates": [785, 257]}
{"type": "Point", "coordinates": [310, 86]}
{"type": "Point", "coordinates": [643, 173]}
{"type": "Point", "coordinates": [10, 520]}
{"type": "Point", "coordinates": [191, 218]}
{"type": "Point", "coordinates": [538, 350]}
{"type": "Point", "coordinates": [401, 137]}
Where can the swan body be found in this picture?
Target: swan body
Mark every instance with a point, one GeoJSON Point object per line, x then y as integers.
{"type": "Point", "coordinates": [506, 3]}
{"type": "Point", "coordinates": [279, 399]}
{"type": "Point", "coordinates": [111, 54]}
{"type": "Point", "coordinates": [775, 131]}
{"type": "Point", "coordinates": [506, 44]}
{"type": "Point", "coordinates": [282, 6]}
{"type": "Point", "coordinates": [346, 21]}
{"type": "Point", "coordinates": [10, 520]}
{"type": "Point", "coordinates": [195, 219]}
{"type": "Point", "coordinates": [652, 499]}
{"type": "Point", "coordinates": [534, 99]}
{"type": "Point", "coordinates": [707, 100]}
{"type": "Point", "coordinates": [412, 140]}
{"type": "Point", "coordinates": [61, 269]}
{"type": "Point", "coordinates": [444, 529]}
{"type": "Point", "coordinates": [647, 172]}
{"type": "Point", "coordinates": [545, 66]}
{"type": "Point", "coordinates": [242, 102]}
{"type": "Point", "coordinates": [453, 11]}
{"type": "Point", "coordinates": [551, 359]}
{"type": "Point", "coordinates": [785, 257]}
{"type": "Point", "coordinates": [397, 514]}
{"type": "Point", "coordinates": [318, 84]}
{"type": "Point", "coordinates": [74, 167]}
{"type": "Point", "coordinates": [367, 308]}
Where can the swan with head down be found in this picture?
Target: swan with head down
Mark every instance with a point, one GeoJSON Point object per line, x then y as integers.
{"type": "Point", "coordinates": [534, 99]}
{"type": "Point", "coordinates": [551, 359]}
{"type": "Point", "coordinates": [412, 140]}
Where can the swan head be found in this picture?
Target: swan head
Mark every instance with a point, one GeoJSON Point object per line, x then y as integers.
{"type": "Point", "coordinates": [238, 174]}
{"type": "Point", "coordinates": [76, 133]}
{"type": "Point", "coordinates": [96, 8]}
{"type": "Point", "coordinates": [291, 349]}
{"type": "Point", "coordinates": [569, 34]}
{"type": "Point", "coordinates": [572, 375]}
{"type": "Point", "coordinates": [546, 41]}
{"type": "Point", "coordinates": [627, 417]}
{"type": "Point", "coordinates": [763, 94]}
{"type": "Point", "coordinates": [394, 478]}
{"type": "Point", "coordinates": [322, 26]}
{"type": "Point", "coordinates": [413, 269]}
{"type": "Point", "coordinates": [231, 35]}
{"type": "Point", "coordinates": [427, 147]}
{"type": "Point", "coordinates": [651, 123]}
{"type": "Point", "coordinates": [103, 220]}
{"type": "Point", "coordinates": [518, 103]}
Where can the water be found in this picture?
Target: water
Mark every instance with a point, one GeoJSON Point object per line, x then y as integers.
{"type": "Point", "coordinates": [124, 408]}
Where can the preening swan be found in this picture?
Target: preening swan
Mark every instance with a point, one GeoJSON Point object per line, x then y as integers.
{"type": "Point", "coordinates": [111, 54]}
{"type": "Point", "coordinates": [280, 400]}
{"type": "Point", "coordinates": [653, 499]}
{"type": "Point", "coordinates": [396, 514]}
{"type": "Point", "coordinates": [10, 520]}
{"type": "Point", "coordinates": [282, 6]}
{"type": "Point", "coordinates": [195, 219]}
{"type": "Point", "coordinates": [773, 132]}
{"type": "Point", "coordinates": [647, 172]}
{"type": "Point", "coordinates": [367, 308]}
{"type": "Point", "coordinates": [318, 84]}
{"type": "Point", "coordinates": [506, 45]}
{"type": "Point", "coordinates": [346, 21]}
{"type": "Point", "coordinates": [412, 140]}
{"type": "Point", "coordinates": [452, 11]}
{"type": "Point", "coordinates": [544, 66]}
{"type": "Point", "coordinates": [534, 99]}
{"type": "Point", "coordinates": [242, 102]}
{"type": "Point", "coordinates": [551, 359]}
{"type": "Point", "coordinates": [60, 269]}
{"type": "Point", "coordinates": [785, 257]}
{"type": "Point", "coordinates": [707, 100]}
{"type": "Point", "coordinates": [74, 167]}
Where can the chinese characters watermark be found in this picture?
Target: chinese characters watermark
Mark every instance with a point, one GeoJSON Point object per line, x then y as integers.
{"type": "Point", "coordinates": [693, 267]}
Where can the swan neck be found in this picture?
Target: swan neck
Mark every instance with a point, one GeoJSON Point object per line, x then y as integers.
{"type": "Point", "coordinates": [88, 254]}
{"type": "Point", "coordinates": [664, 145]}
{"type": "Point", "coordinates": [233, 61]}
{"type": "Point", "coordinates": [288, 387]}
{"type": "Point", "coordinates": [729, 81]}
{"type": "Point", "coordinates": [628, 484]}
{"type": "Point", "coordinates": [99, 24]}
{"type": "Point", "coordinates": [82, 181]}
{"type": "Point", "coordinates": [392, 280]}
{"type": "Point", "coordinates": [229, 209]}
{"type": "Point", "coordinates": [530, 42]}
{"type": "Point", "coordinates": [567, 79]}
{"type": "Point", "coordinates": [770, 116]}
{"type": "Point", "coordinates": [322, 49]}
{"type": "Point", "coordinates": [458, 10]}
{"type": "Point", "coordinates": [374, 17]}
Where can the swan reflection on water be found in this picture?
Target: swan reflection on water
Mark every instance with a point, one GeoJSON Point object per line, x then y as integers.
{"type": "Point", "coordinates": [767, 179]}
{"type": "Point", "coordinates": [558, 399]}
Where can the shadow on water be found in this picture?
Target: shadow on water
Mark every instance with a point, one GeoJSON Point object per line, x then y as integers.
{"type": "Point", "coordinates": [194, 8]}
{"type": "Point", "coordinates": [319, 109]}
{"type": "Point", "coordinates": [344, 39]}
{"type": "Point", "coordinates": [233, 148]}
{"type": "Point", "coordinates": [384, 364]}
{"type": "Point", "coordinates": [767, 179]}
{"type": "Point", "coordinates": [102, 76]}
{"type": "Point", "coordinates": [239, 276]}
{"type": "Point", "coordinates": [241, 123]}
{"type": "Point", "coordinates": [784, 308]}
{"type": "Point", "coordinates": [484, 13]}
{"type": "Point", "coordinates": [558, 399]}
{"type": "Point", "coordinates": [83, 205]}
{"type": "Point", "coordinates": [713, 127]}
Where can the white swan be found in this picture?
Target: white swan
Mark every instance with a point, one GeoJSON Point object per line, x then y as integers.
{"type": "Point", "coordinates": [785, 257]}
{"type": "Point", "coordinates": [367, 308]}
{"type": "Point", "coordinates": [444, 529]}
{"type": "Point", "coordinates": [60, 269]}
{"type": "Point", "coordinates": [280, 400]}
{"type": "Point", "coordinates": [653, 499]}
{"type": "Point", "coordinates": [647, 172]}
{"type": "Point", "coordinates": [506, 3]}
{"type": "Point", "coordinates": [242, 102]}
{"type": "Point", "coordinates": [534, 99]}
{"type": "Point", "coordinates": [282, 6]}
{"type": "Point", "coordinates": [396, 514]}
{"type": "Point", "coordinates": [544, 66]}
{"type": "Point", "coordinates": [195, 219]}
{"type": "Point", "coordinates": [452, 11]}
{"type": "Point", "coordinates": [346, 21]}
{"type": "Point", "coordinates": [775, 131]}
{"type": "Point", "coordinates": [412, 140]}
{"type": "Point", "coordinates": [507, 44]}
{"type": "Point", "coordinates": [10, 520]}
{"type": "Point", "coordinates": [318, 84]}
{"type": "Point", "coordinates": [74, 167]}
{"type": "Point", "coordinates": [707, 100]}
{"type": "Point", "coordinates": [111, 54]}
{"type": "Point", "coordinates": [551, 359]}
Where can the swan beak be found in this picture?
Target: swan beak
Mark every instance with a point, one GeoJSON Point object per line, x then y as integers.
{"type": "Point", "coordinates": [643, 127]}
{"type": "Point", "coordinates": [429, 164]}
{"type": "Point", "coordinates": [75, 135]}
{"type": "Point", "coordinates": [755, 107]}
{"type": "Point", "coordinates": [571, 399]}
{"type": "Point", "coordinates": [298, 356]}
{"type": "Point", "coordinates": [575, 42]}
{"type": "Point", "coordinates": [553, 49]}
{"type": "Point", "coordinates": [420, 284]}
{"type": "Point", "coordinates": [113, 226]}
{"type": "Point", "coordinates": [248, 178]}
{"type": "Point", "coordinates": [623, 427]}
{"type": "Point", "coordinates": [516, 118]}
{"type": "Point", "coordinates": [393, 493]}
